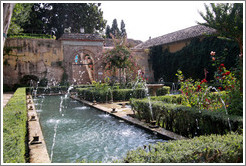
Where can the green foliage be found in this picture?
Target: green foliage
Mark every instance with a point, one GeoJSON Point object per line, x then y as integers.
{"type": "Point", "coordinates": [58, 16]}
{"type": "Point", "coordinates": [163, 91]}
{"type": "Point", "coordinates": [30, 36]}
{"type": "Point", "coordinates": [103, 95]}
{"type": "Point", "coordinates": [168, 99]}
{"type": "Point", "coordinates": [14, 128]}
{"type": "Point", "coordinates": [204, 149]}
{"type": "Point", "coordinates": [114, 29]}
{"type": "Point", "coordinates": [21, 14]}
{"type": "Point", "coordinates": [226, 18]}
{"type": "Point", "coordinates": [185, 120]}
{"type": "Point", "coordinates": [192, 59]}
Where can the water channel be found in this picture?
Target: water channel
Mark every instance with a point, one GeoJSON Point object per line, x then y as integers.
{"type": "Point", "coordinates": [74, 132]}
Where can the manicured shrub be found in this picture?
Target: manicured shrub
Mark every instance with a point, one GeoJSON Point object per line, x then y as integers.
{"type": "Point", "coordinates": [168, 98]}
{"type": "Point", "coordinates": [204, 149]}
{"type": "Point", "coordinates": [105, 95]}
{"type": "Point", "coordinates": [163, 91]}
{"type": "Point", "coordinates": [14, 128]}
{"type": "Point", "coordinates": [184, 120]}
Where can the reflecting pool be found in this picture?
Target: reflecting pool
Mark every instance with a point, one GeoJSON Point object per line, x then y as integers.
{"type": "Point", "coordinates": [74, 132]}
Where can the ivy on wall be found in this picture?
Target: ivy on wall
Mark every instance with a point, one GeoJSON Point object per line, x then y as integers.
{"type": "Point", "coordinates": [193, 58]}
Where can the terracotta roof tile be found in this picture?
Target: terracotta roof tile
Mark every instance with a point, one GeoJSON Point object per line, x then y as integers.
{"type": "Point", "coordinates": [191, 32]}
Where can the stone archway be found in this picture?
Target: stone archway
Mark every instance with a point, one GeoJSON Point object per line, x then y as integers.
{"type": "Point", "coordinates": [83, 70]}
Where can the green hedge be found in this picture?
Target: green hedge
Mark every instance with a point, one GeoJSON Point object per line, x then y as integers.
{"type": "Point", "coordinates": [204, 149]}
{"type": "Point", "coordinates": [168, 98]}
{"type": "Point", "coordinates": [163, 91]}
{"type": "Point", "coordinates": [184, 120]}
{"type": "Point", "coordinates": [14, 128]}
{"type": "Point", "coordinates": [105, 95]}
{"type": "Point", "coordinates": [45, 90]}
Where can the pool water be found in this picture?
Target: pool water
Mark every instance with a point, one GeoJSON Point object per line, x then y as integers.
{"type": "Point", "coordinates": [74, 132]}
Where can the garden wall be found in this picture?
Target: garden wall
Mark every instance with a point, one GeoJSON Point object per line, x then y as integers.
{"type": "Point", "coordinates": [39, 57]}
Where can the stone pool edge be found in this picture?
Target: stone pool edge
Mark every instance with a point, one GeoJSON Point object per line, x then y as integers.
{"type": "Point", "coordinates": [37, 148]}
{"type": "Point", "coordinates": [160, 131]}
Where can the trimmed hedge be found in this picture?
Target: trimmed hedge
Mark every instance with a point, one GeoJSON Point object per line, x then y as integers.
{"type": "Point", "coordinates": [204, 149]}
{"type": "Point", "coordinates": [168, 98]}
{"type": "Point", "coordinates": [105, 95]}
{"type": "Point", "coordinates": [184, 120]}
{"type": "Point", "coordinates": [14, 128]}
{"type": "Point", "coordinates": [163, 91]}
{"type": "Point", "coordinates": [45, 90]}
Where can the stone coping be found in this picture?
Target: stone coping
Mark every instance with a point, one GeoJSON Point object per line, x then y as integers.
{"type": "Point", "coordinates": [37, 148]}
{"type": "Point", "coordinates": [123, 113]}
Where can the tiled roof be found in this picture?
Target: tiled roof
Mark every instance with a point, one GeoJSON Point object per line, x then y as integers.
{"type": "Point", "coordinates": [81, 36]}
{"type": "Point", "coordinates": [130, 42]}
{"type": "Point", "coordinates": [191, 32]}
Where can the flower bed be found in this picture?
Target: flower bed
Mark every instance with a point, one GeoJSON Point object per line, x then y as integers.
{"type": "Point", "coordinates": [14, 128]}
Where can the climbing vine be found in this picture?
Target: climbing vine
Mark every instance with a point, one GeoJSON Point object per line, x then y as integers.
{"type": "Point", "coordinates": [193, 59]}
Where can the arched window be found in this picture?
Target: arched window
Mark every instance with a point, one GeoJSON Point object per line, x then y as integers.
{"type": "Point", "coordinates": [76, 59]}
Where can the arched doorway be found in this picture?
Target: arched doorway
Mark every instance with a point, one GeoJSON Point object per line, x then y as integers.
{"type": "Point", "coordinates": [83, 67]}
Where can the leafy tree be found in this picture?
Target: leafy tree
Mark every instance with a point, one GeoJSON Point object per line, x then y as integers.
{"type": "Point", "coordinates": [36, 22]}
{"type": "Point", "coordinates": [58, 16]}
{"type": "Point", "coordinates": [21, 14]}
{"type": "Point", "coordinates": [107, 31]}
{"type": "Point", "coordinates": [114, 29]}
{"type": "Point", "coordinates": [120, 58]}
{"type": "Point", "coordinates": [122, 28]}
{"type": "Point", "coordinates": [227, 19]}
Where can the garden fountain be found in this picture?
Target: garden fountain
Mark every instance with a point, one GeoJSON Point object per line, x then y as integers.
{"type": "Point", "coordinates": [222, 101]}
{"type": "Point", "coordinates": [87, 133]}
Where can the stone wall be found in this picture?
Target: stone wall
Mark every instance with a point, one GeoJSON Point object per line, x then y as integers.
{"type": "Point", "coordinates": [53, 59]}
{"type": "Point", "coordinates": [80, 73]}
{"type": "Point", "coordinates": [39, 57]}
{"type": "Point", "coordinates": [142, 58]}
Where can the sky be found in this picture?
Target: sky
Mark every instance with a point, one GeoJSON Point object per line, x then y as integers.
{"type": "Point", "coordinates": [144, 19]}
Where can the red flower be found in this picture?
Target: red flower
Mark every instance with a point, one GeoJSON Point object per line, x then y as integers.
{"type": "Point", "coordinates": [220, 88]}
{"type": "Point", "coordinates": [222, 65]}
{"type": "Point", "coordinates": [227, 73]}
{"type": "Point", "coordinates": [203, 81]}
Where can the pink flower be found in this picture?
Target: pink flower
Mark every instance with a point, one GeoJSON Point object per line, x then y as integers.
{"type": "Point", "coordinates": [212, 53]}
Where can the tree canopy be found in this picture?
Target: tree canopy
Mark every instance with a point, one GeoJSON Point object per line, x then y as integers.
{"type": "Point", "coordinates": [115, 31]}
{"type": "Point", "coordinates": [53, 18]}
{"type": "Point", "coordinates": [227, 19]}
{"type": "Point", "coordinates": [20, 16]}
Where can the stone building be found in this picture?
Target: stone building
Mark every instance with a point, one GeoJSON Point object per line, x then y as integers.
{"type": "Point", "coordinates": [78, 57]}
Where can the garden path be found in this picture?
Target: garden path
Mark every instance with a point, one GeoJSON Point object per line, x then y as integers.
{"type": "Point", "coordinates": [6, 97]}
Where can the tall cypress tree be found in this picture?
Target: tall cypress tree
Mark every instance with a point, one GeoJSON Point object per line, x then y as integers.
{"type": "Point", "coordinates": [108, 32]}
{"type": "Point", "coordinates": [122, 28]}
{"type": "Point", "coordinates": [114, 29]}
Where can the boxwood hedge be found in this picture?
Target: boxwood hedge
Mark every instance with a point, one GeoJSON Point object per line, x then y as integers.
{"type": "Point", "coordinates": [105, 95]}
{"type": "Point", "coordinates": [14, 128]}
{"type": "Point", "coordinates": [204, 149]}
{"type": "Point", "coordinates": [184, 120]}
{"type": "Point", "coordinates": [163, 91]}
